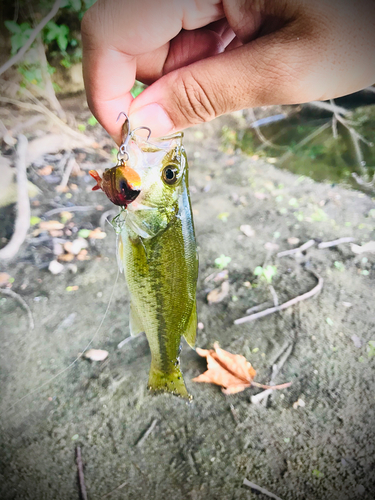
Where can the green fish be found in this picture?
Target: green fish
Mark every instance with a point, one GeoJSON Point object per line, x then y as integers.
{"type": "Point", "coordinates": [157, 249]}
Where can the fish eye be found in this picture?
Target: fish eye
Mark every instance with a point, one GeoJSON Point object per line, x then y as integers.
{"type": "Point", "coordinates": [170, 174]}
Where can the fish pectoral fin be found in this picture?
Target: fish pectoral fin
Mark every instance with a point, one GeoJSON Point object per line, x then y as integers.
{"type": "Point", "coordinates": [191, 327]}
{"type": "Point", "coordinates": [135, 323]}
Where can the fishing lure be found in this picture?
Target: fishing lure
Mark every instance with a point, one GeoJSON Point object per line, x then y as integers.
{"type": "Point", "coordinates": [156, 247]}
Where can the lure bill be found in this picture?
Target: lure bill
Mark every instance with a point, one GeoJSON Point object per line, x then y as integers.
{"type": "Point", "coordinates": [156, 248]}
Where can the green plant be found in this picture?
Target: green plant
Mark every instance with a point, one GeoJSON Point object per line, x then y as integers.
{"type": "Point", "coordinates": [266, 273]}
{"type": "Point", "coordinates": [222, 261]}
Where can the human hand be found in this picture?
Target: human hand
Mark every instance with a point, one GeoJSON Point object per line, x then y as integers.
{"type": "Point", "coordinates": [204, 58]}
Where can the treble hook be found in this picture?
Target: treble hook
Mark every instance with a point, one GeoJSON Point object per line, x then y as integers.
{"type": "Point", "coordinates": [123, 153]}
{"type": "Point", "coordinates": [126, 136]}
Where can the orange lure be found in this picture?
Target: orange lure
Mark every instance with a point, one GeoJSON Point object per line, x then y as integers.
{"type": "Point", "coordinates": [121, 184]}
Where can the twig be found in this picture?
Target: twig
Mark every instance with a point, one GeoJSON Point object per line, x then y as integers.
{"type": "Point", "coordinates": [258, 307]}
{"type": "Point", "coordinates": [363, 183]}
{"type": "Point", "coordinates": [23, 203]}
{"type": "Point", "coordinates": [304, 141]}
{"type": "Point", "coordinates": [300, 249]}
{"type": "Point", "coordinates": [314, 291]}
{"type": "Point", "coordinates": [254, 486]}
{"type": "Point", "coordinates": [147, 433]}
{"type": "Point", "coordinates": [58, 210]}
{"type": "Point", "coordinates": [40, 108]}
{"type": "Point", "coordinates": [14, 295]}
{"type": "Point", "coordinates": [276, 368]}
{"type": "Point", "coordinates": [17, 57]}
{"type": "Point", "coordinates": [275, 298]}
{"type": "Point", "coordinates": [260, 135]}
{"type": "Point", "coordinates": [333, 243]}
{"type": "Point", "coordinates": [116, 489]}
{"type": "Point", "coordinates": [125, 341]}
{"type": "Point", "coordinates": [81, 477]}
{"type": "Point", "coordinates": [67, 172]}
{"type": "Point", "coordinates": [332, 107]}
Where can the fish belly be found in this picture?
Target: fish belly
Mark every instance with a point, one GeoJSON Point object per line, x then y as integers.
{"type": "Point", "coordinates": [161, 273]}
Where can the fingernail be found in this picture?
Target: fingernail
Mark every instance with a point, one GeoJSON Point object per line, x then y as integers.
{"type": "Point", "coordinates": [154, 117]}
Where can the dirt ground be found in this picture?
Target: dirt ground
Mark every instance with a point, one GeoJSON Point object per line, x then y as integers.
{"type": "Point", "coordinates": [321, 448]}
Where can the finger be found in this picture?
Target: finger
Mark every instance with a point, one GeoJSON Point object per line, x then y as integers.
{"type": "Point", "coordinates": [116, 32]}
{"type": "Point", "coordinates": [298, 63]}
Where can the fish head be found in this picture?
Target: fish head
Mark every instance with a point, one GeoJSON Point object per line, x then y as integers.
{"type": "Point", "coordinates": [162, 167]}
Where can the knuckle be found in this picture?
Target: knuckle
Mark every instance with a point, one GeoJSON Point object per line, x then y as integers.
{"type": "Point", "coordinates": [195, 99]}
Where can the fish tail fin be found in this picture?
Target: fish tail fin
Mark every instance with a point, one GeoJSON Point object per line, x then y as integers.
{"type": "Point", "coordinates": [172, 381]}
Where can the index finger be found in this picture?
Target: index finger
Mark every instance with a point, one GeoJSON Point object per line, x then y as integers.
{"type": "Point", "coordinates": [115, 32]}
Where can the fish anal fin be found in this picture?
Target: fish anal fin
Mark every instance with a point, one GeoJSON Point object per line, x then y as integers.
{"type": "Point", "coordinates": [95, 188]}
{"type": "Point", "coordinates": [191, 327]}
{"type": "Point", "coordinates": [135, 322]}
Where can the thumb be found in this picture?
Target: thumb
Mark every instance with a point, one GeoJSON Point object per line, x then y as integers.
{"type": "Point", "coordinates": [290, 66]}
{"type": "Point", "coordinates": [261, 72]}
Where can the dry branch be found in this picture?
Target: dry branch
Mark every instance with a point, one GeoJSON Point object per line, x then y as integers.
{"type": "Point", "coordinates": [260, 489]}
{"type": "Point", "coordinates": [289, 303]}
{"type": "Point", "coordinates": [81, 477]}
{"type": "Point", "coordinates": [300, 249]}
{"type": "Point", "coordinates": [23, 204]}
{"type": "Point", "coordinates": [334, 243]}
{"type": "Point", "coordinates": [14, 295]}
{"type": "Point", "coordinates": [17, 57]}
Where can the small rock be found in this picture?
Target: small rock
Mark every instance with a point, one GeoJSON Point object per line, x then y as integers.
{"type": "Point", "coordinates": [293, 240]}
{"type": "Point", "coordinates": [96, 354]}
{"type": "Point", "coordinates": [247, 230]}
{"type": "Point", "coordinates": [358, 342]}
{"type": "Point", "coordinates": [55, 267]}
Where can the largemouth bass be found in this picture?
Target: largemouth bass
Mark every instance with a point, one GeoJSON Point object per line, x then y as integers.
{"type": "Point", "coordinates": [157, 250]}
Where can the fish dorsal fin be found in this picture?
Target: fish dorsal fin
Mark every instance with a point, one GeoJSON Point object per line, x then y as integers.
{"type": "Point", "coordinates": [135, 323]}
{"type": "Point", "coordinates": [191, 327]}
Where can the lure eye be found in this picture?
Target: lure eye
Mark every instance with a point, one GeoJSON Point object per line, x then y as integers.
{"type": "Point", "coordinates": [170, 174]}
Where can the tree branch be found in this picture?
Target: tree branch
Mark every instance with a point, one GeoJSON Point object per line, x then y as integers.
{"type": "Point", "coordinates": [17, 57]}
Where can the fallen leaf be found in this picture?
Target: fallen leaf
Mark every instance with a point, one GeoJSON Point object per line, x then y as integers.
{"type": "Point", "coordinates": [50, 225]}
{"type": "Point", "coordinates": [97, 234]}
{"type": "Point", "coordinates": [66, 257]}
{"type": "Point", "coordinates": [247, 230]}
{"type": "Point", "coordinates": [367, 247]}
{"type": "Point", "coordinates": [46, 170]}
{"type": "Point", "coordinates": [96, 354]}
{"type": "Point", "coordinates": [231, 371]}
{"type": "Point", "coordinates": [83, 255]}
{"type": "Point", "coordinates": [218, 294]}
{"type": "Point", "coordinates": [66, 216]}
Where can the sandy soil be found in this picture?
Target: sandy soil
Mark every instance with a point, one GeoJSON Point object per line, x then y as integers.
{"type": "Point", "coordinates": [323, 449]}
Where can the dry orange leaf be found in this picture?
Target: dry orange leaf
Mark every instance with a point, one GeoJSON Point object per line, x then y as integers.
{"type": "Point", "coordinates": [231, 371]}
{"type": "Point", "coordinates": [218, 294]}
{"type": "Point", "coordinates": [48, 225]}
{"type": "Point", "coordinates": [97, 234]}
{"type": "Point", "coordinates": [46, 170]}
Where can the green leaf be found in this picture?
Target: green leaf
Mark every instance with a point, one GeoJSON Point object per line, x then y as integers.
{"type": "Point", "coordinates": [329, 321]}
{"type": "Point", "coordinates": [258, 271]}
{"type": "Point", "coordinates": [92, 121]}
{"type": "Point", "coordinates": [371, 348]}
{"type": "Point", "coordinates": [13, 27]}
{"type": "Point", "coordinates": [84, 233]}
{"type": "Point", "coordinates": [34, 220]}
{"type": "Point", "coordinates": [222, 261]}
{"type": "Point", "coordinates": [81, 127]}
